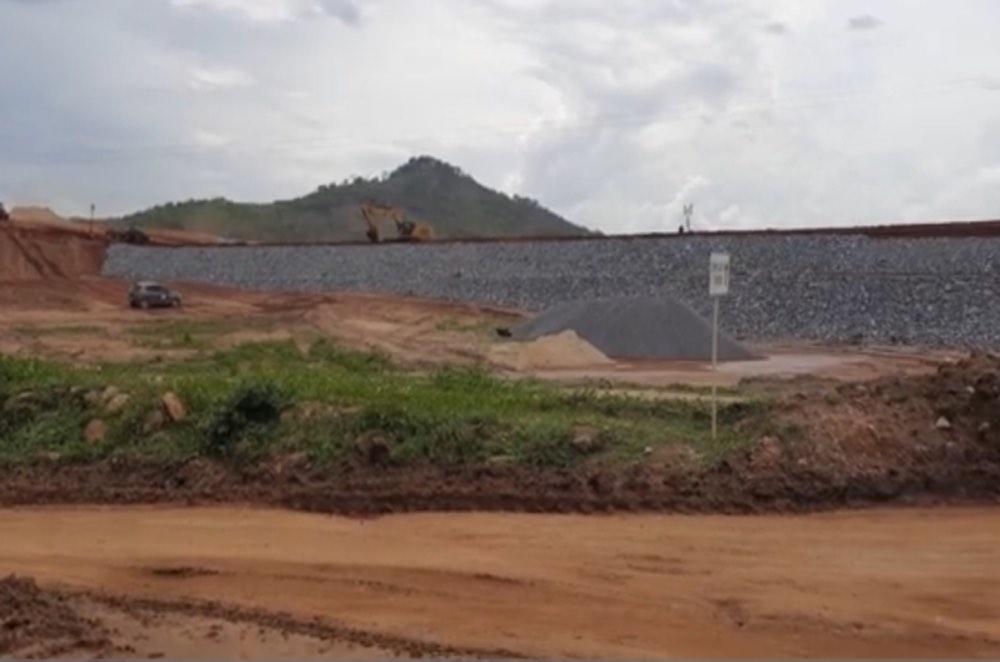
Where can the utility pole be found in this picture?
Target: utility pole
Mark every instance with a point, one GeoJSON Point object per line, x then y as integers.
{"type": "Point", "coordinates": [688, 213]}
{"type": "Point", "coordinates": [92, 208]}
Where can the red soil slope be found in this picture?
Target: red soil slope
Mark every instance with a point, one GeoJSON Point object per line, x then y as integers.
{"type": "Point", "coordinates": [44, 253]}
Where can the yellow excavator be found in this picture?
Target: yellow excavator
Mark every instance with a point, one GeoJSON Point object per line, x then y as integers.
{"type": "Point", "coordinates": [406, 229]}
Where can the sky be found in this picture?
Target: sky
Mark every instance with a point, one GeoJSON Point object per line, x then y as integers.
{"type": "Point", "coordinates": [777, 113]}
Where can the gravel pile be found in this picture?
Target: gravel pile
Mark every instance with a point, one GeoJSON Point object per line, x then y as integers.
{"type": "Point", "coordinates": [829, 288]}
{"type": "Point", "coordinates": [635, 327]}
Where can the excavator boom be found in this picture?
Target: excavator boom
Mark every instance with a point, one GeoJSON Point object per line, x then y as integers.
{"type": "Point", "coordinates": [406, 229]}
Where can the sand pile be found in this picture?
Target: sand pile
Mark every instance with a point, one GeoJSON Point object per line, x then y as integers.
{"type": "Point", "coordinates": [635, 328]}
{"type": "Point", "coordinates": [562, 350]}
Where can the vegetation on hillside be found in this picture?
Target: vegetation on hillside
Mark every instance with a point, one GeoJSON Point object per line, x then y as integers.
{"type": "Point", "coordinates": [429, 190]}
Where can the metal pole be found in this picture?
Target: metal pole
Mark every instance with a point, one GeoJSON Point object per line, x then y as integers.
{"type": "Point", "coordinates": [715, 362]}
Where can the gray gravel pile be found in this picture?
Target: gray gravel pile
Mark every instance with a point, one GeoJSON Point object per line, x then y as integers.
{"type": "Point", "coordinates": [635, 328]}
{"type": "Point", "coordinates": [829, 288]}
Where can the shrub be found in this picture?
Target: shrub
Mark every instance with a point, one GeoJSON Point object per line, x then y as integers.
{"type": "Point", "coordinates": [250, 406]}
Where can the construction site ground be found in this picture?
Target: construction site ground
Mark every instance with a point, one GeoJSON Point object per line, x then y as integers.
{"type": "Point", "coordinates": [200, 560]}
{"type": "Point", "coordinates": [240, 582]}
{"type": "Point", "coordinates": [85, 320]}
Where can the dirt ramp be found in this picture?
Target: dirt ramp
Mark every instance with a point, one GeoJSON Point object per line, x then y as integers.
{"type": "Point", "coordinates": [42, 254]}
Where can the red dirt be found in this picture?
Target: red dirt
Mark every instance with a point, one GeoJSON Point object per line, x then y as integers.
{"type": "Point", "coordinates": [47, 254]}
{"type": "Point", "coordinates": [878, 583]}
{"type": "Point", "coordinates": [36, 623]}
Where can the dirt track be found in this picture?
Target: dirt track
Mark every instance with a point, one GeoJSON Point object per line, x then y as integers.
{"type": "Point", "coordinates": [876, 583]}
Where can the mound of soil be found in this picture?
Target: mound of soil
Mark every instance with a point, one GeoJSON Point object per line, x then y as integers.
{"type": "Point", "coordinates": [635, 328]}
{"type": "Point", "coordinates": [36, 623]}
{"type": "Point", "coordinates": [932, 428]}
{"type": "Point", "coordinates": [562, 350]}
{"type": "Point", "coordinates": [35, 214]}
{"type": "Point", "coordinates": [43, 254]}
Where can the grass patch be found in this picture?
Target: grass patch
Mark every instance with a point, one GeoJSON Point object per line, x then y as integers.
{"type": "Point", "coordinates": [262, 399]}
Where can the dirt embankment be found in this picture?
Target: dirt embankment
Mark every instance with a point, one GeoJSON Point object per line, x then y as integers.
{"type": "Point", "coordinates": [43, 253]}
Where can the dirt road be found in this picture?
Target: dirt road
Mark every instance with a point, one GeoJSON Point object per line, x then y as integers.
{"type": "Point", "coordinates": [874, 583]}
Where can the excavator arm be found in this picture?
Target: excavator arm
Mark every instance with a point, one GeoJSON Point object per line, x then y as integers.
{"type": "Point", "coordinates": [407, 230]}
{"type": "Point", "coordinates": [370, 212]}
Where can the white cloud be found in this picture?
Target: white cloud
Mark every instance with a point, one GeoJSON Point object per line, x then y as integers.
{"type": "Point", "coordinates": [215, 78]}
{"type": "Point", "coordinates": [271, 11]}
{"type": "Point", "coordinates": [211, 139]}
{"type": "Point", "coordinates": [863, 22]}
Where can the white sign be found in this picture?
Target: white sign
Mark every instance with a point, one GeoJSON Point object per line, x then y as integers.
{"type": "Point", "coordinates": [718, 274]}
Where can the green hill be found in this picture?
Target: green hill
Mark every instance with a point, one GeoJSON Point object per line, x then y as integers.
{"type": "Point", "coordinates": [430, 191]}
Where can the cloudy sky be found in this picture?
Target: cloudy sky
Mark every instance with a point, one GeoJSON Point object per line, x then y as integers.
{"type": "Point", "coordinates": [763, 113]}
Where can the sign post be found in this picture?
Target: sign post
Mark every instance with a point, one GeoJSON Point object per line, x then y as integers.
{"type": "Point", "coordinates": [718, 286]}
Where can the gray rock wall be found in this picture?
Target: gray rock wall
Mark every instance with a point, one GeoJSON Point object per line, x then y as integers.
{"type": "Point", "coordinates": [834, 288]}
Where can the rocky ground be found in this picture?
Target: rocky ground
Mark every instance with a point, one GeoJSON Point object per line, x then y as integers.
{"type": "Point", "coordinates": [833, 288]}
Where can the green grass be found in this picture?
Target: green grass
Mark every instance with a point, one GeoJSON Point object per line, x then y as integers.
{"type": "Point", "coordinates": [330, 397]}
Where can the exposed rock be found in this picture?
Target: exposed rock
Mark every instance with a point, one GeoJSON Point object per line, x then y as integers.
{"type": "Point", "coordinates": [174, 407]}
{"type": "Point", "coordinates": [586, 439]}
{"type": "Point", "coordinates": [95, 432]}
{"type": "Point", "coordinates": [109, 392]}
{"type": "Point", "coordinates": [116, 404]}
{"type": "Point", "coordinates": [943, 423]}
